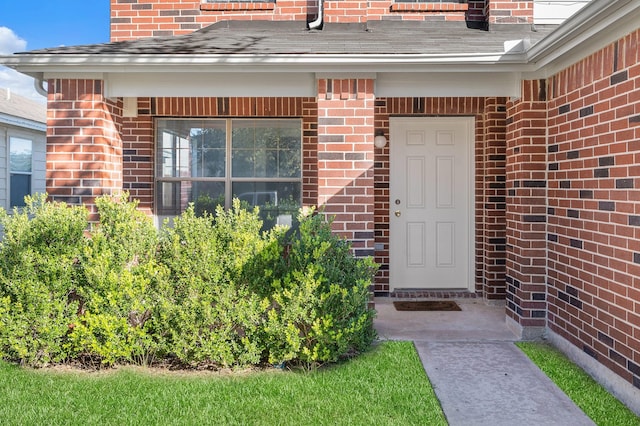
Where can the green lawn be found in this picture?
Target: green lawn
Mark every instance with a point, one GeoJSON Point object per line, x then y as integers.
{"type": "Point", "coordinates": [593, 399]}
{"type": "Point", "coordinates": [384, 386]}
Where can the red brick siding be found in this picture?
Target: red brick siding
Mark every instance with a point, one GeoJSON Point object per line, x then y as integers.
{"type": "Point", "coordinates": [492, 203]}
{"type": "Point", "coordinates": [489, 212]}
{"type": "Point", "coordinates": [526, 207]}
{"type": "Point", "coordinates": [84, 149]}
{"type": "Point", "coordinates": [345, 158]}
{"type": "Point", "coordinates": [509, 11]}
{"type": "Point", "coordinates": [594, 200]}
{"type": "Point", "coordinates": [147, 18]}
{"type": "Point", "coordinates": [138, 143]}
{"type": "Point", "coordinates": [476, 10]}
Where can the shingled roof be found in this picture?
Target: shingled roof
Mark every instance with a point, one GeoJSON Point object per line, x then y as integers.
{"type": "Point", "coordinates": [273, 38]}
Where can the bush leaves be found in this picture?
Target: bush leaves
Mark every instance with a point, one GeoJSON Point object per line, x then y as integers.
{"type": "Point", "coordinates": [209, 290]}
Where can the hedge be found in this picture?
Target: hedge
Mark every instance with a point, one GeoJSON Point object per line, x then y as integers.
{"type": "Point", "coordinates": [205, 290]}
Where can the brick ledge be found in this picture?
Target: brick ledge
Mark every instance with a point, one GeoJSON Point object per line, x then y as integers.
{"type": "Point", "coordinates": [429, 7]}
{"type": "Point", "coordinates": [239, 5]}
{"type": "Point", "coordinates": [433, 294]}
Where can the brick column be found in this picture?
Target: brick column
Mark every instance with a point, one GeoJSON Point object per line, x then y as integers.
{"type": "Point", "coordinates": [494, 233]}
{"type": "Point", "coordinates": [527, 211]}
{"type": "Point", "coordinates": [84, 148]}
{"type": "Point", "coordinates": [345, 158]}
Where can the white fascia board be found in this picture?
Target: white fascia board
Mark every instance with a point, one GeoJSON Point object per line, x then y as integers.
{"type": "Point", "coordinates": [595, 26]}
{"type": "Point", "coordinates": [448, 84]}
{"type": "Point", "coordinates": [346, 75]}
{"type": "Point", "coordinates": [72, 75]}
{"type": "Point", "coordinates": [62, 64]}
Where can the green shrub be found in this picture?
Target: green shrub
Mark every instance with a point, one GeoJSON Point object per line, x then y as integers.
{"type": "Point", "coordinates": [324, 290]}
{"type": "Point", "coordinates": [209, 316]}
{"type": "Point", "coordinates": [119, 287]}
{"type": "Point", "coordinates": [39, 258]}
{"type": "Point", "coordinates": [207, 290]}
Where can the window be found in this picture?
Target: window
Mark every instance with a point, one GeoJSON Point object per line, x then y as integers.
{"type": "Point", "coordinates": [20, 169]}
{"type": "Point", "coordinates": [210, 162]}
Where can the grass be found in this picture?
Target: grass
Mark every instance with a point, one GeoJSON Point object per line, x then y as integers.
{"type": "Point", "coordinates": [385, 386]}
{"type": "Point", "coordinates": [597, 403]}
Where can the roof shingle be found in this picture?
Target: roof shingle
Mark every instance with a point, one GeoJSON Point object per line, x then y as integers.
{"type": "Point", "coordinates": [279, 37]}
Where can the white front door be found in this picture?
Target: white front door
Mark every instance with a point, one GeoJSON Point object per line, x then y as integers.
{"type": "Point", "coordinates": [431, 199]}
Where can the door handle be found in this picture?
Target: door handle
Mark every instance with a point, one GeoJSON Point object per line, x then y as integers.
{"type": "Point", "coordinates": [397, 213]}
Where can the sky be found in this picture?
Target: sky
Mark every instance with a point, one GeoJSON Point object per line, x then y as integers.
{"type": "Point", "coordinates": [37, 24]}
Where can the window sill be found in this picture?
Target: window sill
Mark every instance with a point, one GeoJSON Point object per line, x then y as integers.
{"type": "Point", "coordinates": [429, 7]}
{"type": "Point", "coordinates": [237, 5]}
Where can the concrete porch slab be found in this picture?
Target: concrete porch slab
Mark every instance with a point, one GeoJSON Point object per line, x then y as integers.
{"type": "Point", "coordinates": [476, 321]}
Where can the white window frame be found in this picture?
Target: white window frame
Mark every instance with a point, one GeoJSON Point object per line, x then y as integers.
{"type": "Point", "coordinates": [11, 172]}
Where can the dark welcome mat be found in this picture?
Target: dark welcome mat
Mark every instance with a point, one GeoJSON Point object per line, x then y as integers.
{"type": "Point", "coordinates": [427, 305]}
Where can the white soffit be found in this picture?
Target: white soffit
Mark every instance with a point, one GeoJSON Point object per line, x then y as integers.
{"type": "Point", "coordinates": [209, 84]}
{"type": "Point", "coordinates": [448, 84]}
{"type": "Point", "coordinates": [304, 84]}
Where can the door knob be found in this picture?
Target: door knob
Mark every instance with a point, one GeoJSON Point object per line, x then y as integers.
{"type": "Point", "coordinates": [397, 213]}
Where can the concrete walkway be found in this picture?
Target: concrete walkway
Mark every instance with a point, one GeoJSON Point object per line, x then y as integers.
{"type": "Point", "coordinates": [478, 374]}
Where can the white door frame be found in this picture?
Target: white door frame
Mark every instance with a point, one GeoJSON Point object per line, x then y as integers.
{"type": "Point", "coordinates": [470, 122]}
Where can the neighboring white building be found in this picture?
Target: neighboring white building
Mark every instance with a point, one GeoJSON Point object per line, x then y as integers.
{"type": "Point", "coordinates": [23, 127]}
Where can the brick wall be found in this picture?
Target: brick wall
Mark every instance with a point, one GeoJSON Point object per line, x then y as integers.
{"type": "Point", "coordinates": [138, 150]}
{"type": "Point", "coordinates": [476, 10]}
{"type": "Point", "coordinates": [594, 206]}
{"type": "Point", "coordinates": [491, 205]}
{"type": "Point", "coordinates": [509, 11]}
{"type": "Point", "coordinates": [84, 149]}
{"type": "Point", "coordinates": [489, 183]}
{"type": "Point", "coordinates": [396, 10]}
{"type": "Point", "coordinates": [131, 19]}
{"type": "Point", "coordinates": [345, 158]}
{"type": "Point", "coordinates": [526, 209]}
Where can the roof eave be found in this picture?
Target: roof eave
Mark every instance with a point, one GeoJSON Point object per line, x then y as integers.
{"type": "Point", "coordinates": [36, 64]}
{"type": "Point", "coordinates": [595, 26]}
